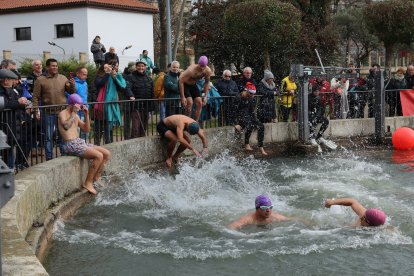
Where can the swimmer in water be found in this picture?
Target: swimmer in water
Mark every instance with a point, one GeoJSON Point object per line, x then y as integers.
{"type": "Point", "coordinates": [68, 124]}
{"type": "Point", "coordinates": [263, 215]}
{"type": "Point", "coordinates": [172, 128]}
{"type": "Point", "coordinates": [189, 92]}
{"type": "Point", "coordinates": [366, 217]}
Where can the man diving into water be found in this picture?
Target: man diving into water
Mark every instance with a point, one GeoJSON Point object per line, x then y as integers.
{"type": "Point", "coordinates": [175, 128]}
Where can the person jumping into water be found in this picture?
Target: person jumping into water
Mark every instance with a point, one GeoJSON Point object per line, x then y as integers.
{"type": "Point", "coordinates": [262, 216]}
{"type": "Point", "coordinates": [188, 86]}
{"type": "Point", "coordinates": [366, 217]}
{"type": "Point", "coordinates": [68, 124]}
{"type": "Point", "coordinates": [173, 128]}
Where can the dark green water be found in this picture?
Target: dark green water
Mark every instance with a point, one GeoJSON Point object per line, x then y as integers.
{"type": "Point", "coordinates": [147, 223]}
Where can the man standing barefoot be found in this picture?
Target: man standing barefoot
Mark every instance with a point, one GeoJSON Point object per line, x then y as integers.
{"type": "Point", "coordinates": [189, 92]}
{"type": "Point", "coordinates": [173, 128]}
{"type": "Point", "coordinates": [69, 122]}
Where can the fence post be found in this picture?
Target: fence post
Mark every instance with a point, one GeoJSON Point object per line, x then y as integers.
{"type": "Point", "coordinates": [379, 107]}
{"type": "Point", "coordinates": [46, 55]}
{"type": "Point", "coordinates": [303, 127]}
{"type": "Point", "coordinates": [7, 54]}
{"type": "Point", "coordinates": [82, 57]}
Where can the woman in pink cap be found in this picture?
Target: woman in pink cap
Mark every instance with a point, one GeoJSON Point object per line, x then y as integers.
{"type": "Point", "coordinates": [366, 217]}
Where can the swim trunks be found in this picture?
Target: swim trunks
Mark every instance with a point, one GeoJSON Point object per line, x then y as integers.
{"type": "Point", "coordinates": [191, 91]}
{"type": "Point", "coordinates": [162, 128]}
{"type": "Point", "coordinates": [76, 147]}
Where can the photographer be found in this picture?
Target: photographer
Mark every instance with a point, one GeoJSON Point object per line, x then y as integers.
{"type": "Point", "coordinates": [98, 50]}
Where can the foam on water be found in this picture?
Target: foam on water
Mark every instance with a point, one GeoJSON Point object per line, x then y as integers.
{"type": "Point", "coordinates": [185, 216]}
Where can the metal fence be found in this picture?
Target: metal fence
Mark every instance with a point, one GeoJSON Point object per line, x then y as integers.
{"type": "Point", "coordinates": [34, 136]}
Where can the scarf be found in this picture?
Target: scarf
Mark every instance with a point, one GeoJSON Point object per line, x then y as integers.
{"type": "Point", "coordinates": [271, 86]}
{"type": "Point", "coordinates": [112, 111]}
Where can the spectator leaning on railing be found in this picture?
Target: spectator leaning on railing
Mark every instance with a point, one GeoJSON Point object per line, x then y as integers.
{"type": "Point", "coordinates": [172, 90]}
{"type": "Point", "coordinates": [227, 88]}
{"type": "Point", "coordinates": [50, 90]}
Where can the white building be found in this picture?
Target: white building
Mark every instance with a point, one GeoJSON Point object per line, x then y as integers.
{"type": "Point", "coordinates": [27, 27]}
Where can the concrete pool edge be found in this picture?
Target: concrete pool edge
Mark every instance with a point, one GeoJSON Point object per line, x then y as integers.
{"type": "Point", "coordinates": [46, 184]}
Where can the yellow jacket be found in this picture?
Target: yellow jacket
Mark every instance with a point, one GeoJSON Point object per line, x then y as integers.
{"type": "Point", "coordinates": [159, 86]}
{"type": "Point", "coordinates": [285, 87]}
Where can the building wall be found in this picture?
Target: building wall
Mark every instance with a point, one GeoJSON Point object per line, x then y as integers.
{"type": "Point", "coordinates": [116, 28]}
{"type": "Point", "coordinates": [42, 25]}
{"type": "Point", "coordinates": [120, 29]}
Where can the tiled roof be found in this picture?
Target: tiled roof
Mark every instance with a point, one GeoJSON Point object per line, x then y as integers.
{"type": "Point", "coordinates": [13, 6]}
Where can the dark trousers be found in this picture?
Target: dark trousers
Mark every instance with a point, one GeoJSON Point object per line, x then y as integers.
{"type": "Point", "coordinates": [139, 123]}
{"type": "Point", "coordinates": [285, 111]}
{"type": "Point", "coordinates": [251, 124]}
{"type": "Point", "coordinates": [313, 122]}
{"type": "Point", "coordinates": [101, 128]}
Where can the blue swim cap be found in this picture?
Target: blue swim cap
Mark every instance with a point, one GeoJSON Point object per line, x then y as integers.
{"type": "Point", "coordinates": [75, 99]}
{"type": "Point", "coordinates": [262, 200]}
{"type": "Point", "coordinates": [193, 128]}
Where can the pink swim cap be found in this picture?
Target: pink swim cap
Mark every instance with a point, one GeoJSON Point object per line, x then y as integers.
{"type": "Point", "coordinates": [375, 217]}
{"type": "Point", "coordinates": [75, 99]}
{"type": "Point", "coordinates": [203, 61]}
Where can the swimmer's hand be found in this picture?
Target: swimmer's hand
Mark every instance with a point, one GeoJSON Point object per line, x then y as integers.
{"type": "Point", "coordinates": [204, 151]}
{"type": "Point", "coordinates": [329, 203]}
{"type": "Point", "coordinates": [196, 153]}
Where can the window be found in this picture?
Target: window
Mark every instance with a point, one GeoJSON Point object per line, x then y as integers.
{"type": "Point", "coordinates": [64, 30]}
{"type": "Point", "coordinates": [24, 33]}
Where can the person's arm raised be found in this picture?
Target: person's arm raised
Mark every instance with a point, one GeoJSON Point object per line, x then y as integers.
{"type": "Point", "coordinates": [355, 205]}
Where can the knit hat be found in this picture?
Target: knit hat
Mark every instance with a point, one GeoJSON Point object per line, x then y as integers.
{"type": "Point", "coordinates": [250, 87]}
{"type": "Point", "coordinates": [268, 75]}
{"type": "Point", "coordinates": [262, 200]}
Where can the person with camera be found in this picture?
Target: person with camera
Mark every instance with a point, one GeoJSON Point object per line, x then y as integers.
{"type": "Point", "coordinates": [98, 50]}
{"type": "Point", "coordinates": [68, 124]}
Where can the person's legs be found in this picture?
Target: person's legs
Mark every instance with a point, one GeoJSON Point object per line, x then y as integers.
{"type": "Point", "coordinates": [189, 107]}
{"type": "Point", "coordinates": [106, 156]}
{"type": "Point", "coordinates": [47, 122]}
{"type": "Point", "coordinates": [172, 141]}
{"type": "Point", "coordinates": [198, 106]}
{"type": "Point", "coordinates": [97, 160]}
{"type": "Point", "coordinates": [398, 104]}
{"type": "Point", "coordinates": [108, 133]}
{"type": "Point", "coordinates": [181, 148]}
{"type": "Point", "coordinates": [97, 131]}
{"type": "Point", "coordinates": [324, 125]}
{"type": "Point", "coordinates": [162, 110]}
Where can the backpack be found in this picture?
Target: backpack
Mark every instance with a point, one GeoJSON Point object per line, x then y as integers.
{"type": "Point", "coordinates": [159, 86]}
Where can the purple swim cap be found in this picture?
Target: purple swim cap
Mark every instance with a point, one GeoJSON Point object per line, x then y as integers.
{"type": "Point", "coordinates": [262, 200]}
{"type": "Point", "coordinates": [75, 99]}
{"type": "Point", "coordinates": [375, 217]}
{"type": "Point", "coordinates": [203, 61]}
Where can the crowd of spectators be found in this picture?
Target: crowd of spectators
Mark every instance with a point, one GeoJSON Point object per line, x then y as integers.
{"type": "Point", "coordinates": [247, 100]}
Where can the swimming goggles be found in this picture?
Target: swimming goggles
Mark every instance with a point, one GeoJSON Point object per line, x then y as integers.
{"type": "Point", "coordinates": [264, 207]}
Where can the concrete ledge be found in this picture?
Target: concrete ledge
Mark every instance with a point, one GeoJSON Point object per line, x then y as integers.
{"type": "Point", "coordinates": [50, 190]}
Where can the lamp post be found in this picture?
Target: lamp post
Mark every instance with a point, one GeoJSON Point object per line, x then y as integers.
{"type": "Point", "coordinates": [168, 12]}
{"type": "Point", "coordinates": [54, 44]}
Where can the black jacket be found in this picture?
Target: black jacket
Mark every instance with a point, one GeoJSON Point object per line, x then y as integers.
{"type": "Point", "coordinates": [244, 109]}
{"type": "Point", "coordinates": [227, 87]}
{"type": "Point", "coordinates": [241, 83]}
{"type": "Point", "coordinates": [266, 110]}
{"type": "Point", "coordinates": [141, 87]}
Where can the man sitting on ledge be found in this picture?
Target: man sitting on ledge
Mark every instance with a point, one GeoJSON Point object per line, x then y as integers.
{"type": "Point", "coordinates": [69, 122]}
{"type": "Point", "coordinates": [173, 128]}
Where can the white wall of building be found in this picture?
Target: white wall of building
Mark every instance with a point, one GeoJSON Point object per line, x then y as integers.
{"type": "Point", "coordinates": [116, 28]}
{"type": "Point", "coordinates": [120, 29]}
{"type": "Point", "coordinates": [42, 25]}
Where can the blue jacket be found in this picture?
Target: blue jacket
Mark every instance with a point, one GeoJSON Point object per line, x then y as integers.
{"type": "Point", "coordinates": [82, 89]}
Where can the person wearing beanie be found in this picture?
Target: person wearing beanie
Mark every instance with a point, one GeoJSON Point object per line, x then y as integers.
{"type": "Point", "coordinates": [266, 111]}
{"type": "Point", "coordinates": [189, 92]}
{"type": "Point", "coordinates": [263, 215]}
{"type": "Point", "coordinates": [68, 124]}
{"type": "Point", "coordinates": [244, 106]}
{"type": "Point", "coordinates": [366, 217]}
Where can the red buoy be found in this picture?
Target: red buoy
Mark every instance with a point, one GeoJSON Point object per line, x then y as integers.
{"type": "Point", "coordinates": [403, 138]}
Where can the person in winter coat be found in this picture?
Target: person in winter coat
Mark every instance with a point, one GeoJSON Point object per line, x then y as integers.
{"type": "Point", "coordinates": [172, 90]}
{"type": "Point", "coordinates": [340, 88]}
{"type": "Point", "coordinates": [266, 111]}
{"type": "Point", "coordinates": [245, 78]}
{"type": "Point", "coordinates": [140, 87]}
{"type": "Point", "coordinates": [150, 65]}
{"type": "Point", "coordinates": [393, 97]}
{"type": "Point", "coordinates": [245, 104]}
{"type": "Point", "coordinates": [98, 50]}
{"type": "Point", "coordinates": [288, 89]}
{"type": "Point", "coordinates": [228, 89]}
